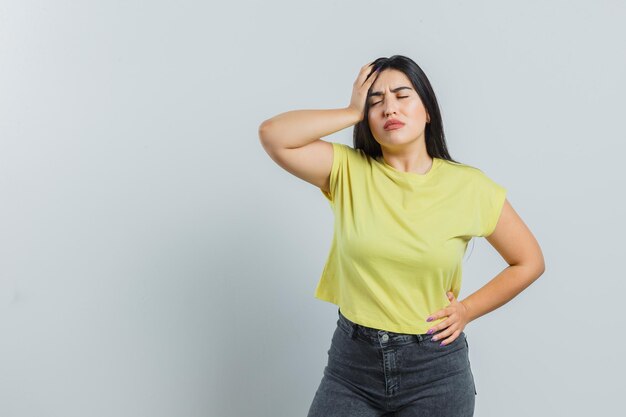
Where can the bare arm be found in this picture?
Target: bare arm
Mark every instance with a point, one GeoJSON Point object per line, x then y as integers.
{"type": "Point", "coordinates": [298, 128]}
{"type": "Point", "coordinates": [292, 139]}
{"type": "Point", "coordinates": [519, 248]}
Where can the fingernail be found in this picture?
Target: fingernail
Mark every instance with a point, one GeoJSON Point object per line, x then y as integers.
{"type": "Point", "coordinates": [441, 344]}
{"type": "Point", "coordinates": [429, 319]}
{"type": "Point", "coordinates": [430, 331]}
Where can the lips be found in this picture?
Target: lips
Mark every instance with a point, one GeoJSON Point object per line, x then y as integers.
{"type": "Point", "coordinates": [393, 124]}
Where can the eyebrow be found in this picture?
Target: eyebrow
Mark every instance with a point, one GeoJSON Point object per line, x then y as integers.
{"type": "Point", "coordinates": [379, 93]}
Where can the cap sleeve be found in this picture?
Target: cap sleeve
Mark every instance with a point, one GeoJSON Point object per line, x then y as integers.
{"type": "Point", "coordinates": [339, 162]}
{"type": "Point", "coordinates": [490, 197]}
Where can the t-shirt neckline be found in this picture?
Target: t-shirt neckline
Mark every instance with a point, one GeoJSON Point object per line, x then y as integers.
{"type": "Point", "coordinates": [412, 175]}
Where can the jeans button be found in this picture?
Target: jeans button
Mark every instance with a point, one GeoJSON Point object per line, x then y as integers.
{"type": "Point", "coordinates": [385, 337]}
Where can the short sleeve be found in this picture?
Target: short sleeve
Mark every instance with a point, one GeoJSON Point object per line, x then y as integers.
{"type": "Point", "coordinates": [339, 162]}
{"type": "Point", "coordinates": [490, 197]}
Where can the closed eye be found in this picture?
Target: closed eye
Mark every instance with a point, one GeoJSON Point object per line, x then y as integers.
{"type": "Point", "coordinates": [379, 101]}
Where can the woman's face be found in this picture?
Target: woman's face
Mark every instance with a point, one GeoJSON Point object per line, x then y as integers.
{"type": "Point", "coordinates": [392, 96]}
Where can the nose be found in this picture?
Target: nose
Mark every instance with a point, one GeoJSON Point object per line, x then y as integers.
{"type": "Point", "coordinates": [390, 107]}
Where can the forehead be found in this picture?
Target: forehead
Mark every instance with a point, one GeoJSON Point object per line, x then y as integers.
{"type": "Point", "coordinates": [389, 79]}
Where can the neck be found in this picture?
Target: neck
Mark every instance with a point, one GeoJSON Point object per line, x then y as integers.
{"type": "Point", "coordinates": [414, 159]}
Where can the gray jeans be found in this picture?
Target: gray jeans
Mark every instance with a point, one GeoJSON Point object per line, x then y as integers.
{"type": "Point", "coordinates": [373, 372]}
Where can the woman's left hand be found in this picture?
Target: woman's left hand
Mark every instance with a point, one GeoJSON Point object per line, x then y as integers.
{"type": "Point", "coordinates": [457, 319]}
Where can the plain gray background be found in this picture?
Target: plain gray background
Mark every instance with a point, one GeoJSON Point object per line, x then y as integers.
{"type": "Point", "coordinates": [156, 262]}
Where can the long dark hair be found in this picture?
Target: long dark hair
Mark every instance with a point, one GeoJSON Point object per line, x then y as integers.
{"type": "Point", "coordinates": [434, 136]}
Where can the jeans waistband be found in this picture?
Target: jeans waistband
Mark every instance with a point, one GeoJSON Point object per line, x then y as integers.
{"type": "Point", "coordinates": [377, 336]}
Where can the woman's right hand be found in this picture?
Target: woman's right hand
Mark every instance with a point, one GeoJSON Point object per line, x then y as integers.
{"type": "Point", "coordinates": [359, 89]}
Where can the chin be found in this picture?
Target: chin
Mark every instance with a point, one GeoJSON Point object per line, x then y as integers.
{"type": "Point", "coordinates": [394, 142]}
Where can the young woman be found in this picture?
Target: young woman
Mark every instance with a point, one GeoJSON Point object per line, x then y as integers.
{"type": "Point", "coordinates": [404, 214]}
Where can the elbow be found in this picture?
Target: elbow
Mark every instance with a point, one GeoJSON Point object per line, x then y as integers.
{"type": "Point", "coordinates": [265, 138]}
{"type": "Point", "coordinates": [533, 267]}
{"type": "Point", "coordinates": [541, 264]}
{"type": "Point", "coordinates": [263, 129]}
{"type": "Point", "coordinates": [536, 263]}
{"type": "Point", "coordinates": [539, 267]}
{"type": "Point", "coordinates": [265, 135]}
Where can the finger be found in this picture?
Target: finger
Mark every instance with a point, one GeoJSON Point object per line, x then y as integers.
{"type": "Point", "coordinates": [366, 67]}
{"type": "Point", "coordinates": [368, 81]}
{"type": "Point", "coordinates": [443, 331]}
{"type": "Point", "coordinates": [449, 339]}
{"type": "Point", "coordinates": [362, 78]}
{"type": "Point", "coordinates": [441, 325]}
{"type": "Point", "coordinates": [434, 316]}
{"type": "Point", "coordinates": [368, 75]}
{"type": "Point", "coordinates": [370, 78]}
{"type": "Point", "coordinates": [444, 312]}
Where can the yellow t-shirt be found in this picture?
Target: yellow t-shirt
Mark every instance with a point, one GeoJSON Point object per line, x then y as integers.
{"type": "Point", "coordinates": [399, 237]}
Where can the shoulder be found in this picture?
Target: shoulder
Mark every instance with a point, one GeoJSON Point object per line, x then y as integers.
{"type": "Point", "coordinates": [343, 151]}
{"type": "Point", "coordinates": [472, 177]}
{"type": "Point", "coordinates": [464, 170]}
{"type": "Point", "coordinates": [348, 149]}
